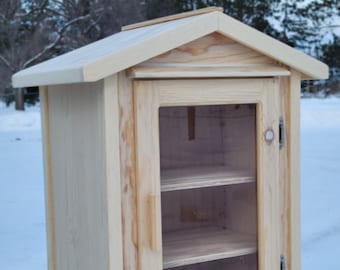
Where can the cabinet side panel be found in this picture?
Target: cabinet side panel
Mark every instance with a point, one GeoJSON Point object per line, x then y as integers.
{"type": "Point", "coordinates": [83, 181]}
{"type": "Point", "coordinates": [43, 92]}
{"type": "Point", "coordinates": [290, 171]}
{"type": "Point", "coordinates": [284, 167]}
{"type": "Point", "coordinates": [294, 172]}
{"type": "Point", "coordinates": [128, 172]}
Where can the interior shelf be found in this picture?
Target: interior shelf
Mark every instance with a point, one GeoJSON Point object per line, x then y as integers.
{"type": "Point", "coordinates": [189, 178]}
{"type": "Point", "coordinates": [204, 244]}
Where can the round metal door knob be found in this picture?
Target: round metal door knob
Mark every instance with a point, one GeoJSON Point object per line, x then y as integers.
{"type": "Point", "coordinates": [269, 135]}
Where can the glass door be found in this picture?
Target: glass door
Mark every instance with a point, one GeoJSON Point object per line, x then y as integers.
{"type": "Point", "coordinates": [207, 174]}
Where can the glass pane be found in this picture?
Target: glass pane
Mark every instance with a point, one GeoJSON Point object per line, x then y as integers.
{"type": "Point", "coordinates": [208, 184]}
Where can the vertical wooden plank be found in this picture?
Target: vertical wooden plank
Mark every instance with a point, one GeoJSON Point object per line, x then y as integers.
{"type": "Point", "coordinates": [43, 92]}
{"type": "Point", "coordinates": [128, 172]}
{"type": "Point", "coordinates": [148, 176]}
{"type": "Point", "coordinates": [86, 175]}
{"type": "Point", "coordinates": [290, 170]}
{"type": "Point", "coordinates": [294, 165]}
{"type": "Point", "coordinates": [268, 177]}
{"type": "Point", "coordinates": [284, 167]}
{"type": "Point", "coordinates": [111, 148]}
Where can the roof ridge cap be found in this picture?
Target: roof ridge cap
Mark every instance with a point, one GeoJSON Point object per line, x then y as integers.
{"type": "Point", "coordinates": [172, 18]}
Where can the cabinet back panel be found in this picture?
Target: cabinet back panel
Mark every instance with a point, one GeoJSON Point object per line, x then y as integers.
{"type": "Point", "coordinates": [177, 151]}
{"type": "Point", "coordinates": [193, 208]}
{"type": "Point", "coordinates": [223, 135]}
{"type": "Point", "coordinates": [241, 208]}
{"type": "Point", "coordinates": [239, 126]}
{"type": "Point", "coordinates": [231, 207]}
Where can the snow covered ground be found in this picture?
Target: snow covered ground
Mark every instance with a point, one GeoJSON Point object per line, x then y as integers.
{"type": "Point", "coordinates": [22, 213]}
{"type": "Point", "coordinates": [320, 124]}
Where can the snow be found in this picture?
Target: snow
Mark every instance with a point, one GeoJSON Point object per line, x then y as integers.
{"type": "Point", "coordinates": [22, 212]}
{"type": "Point", "coordinates": [28, 120]}
{"type": "Point", "coordinates": [320, 146]}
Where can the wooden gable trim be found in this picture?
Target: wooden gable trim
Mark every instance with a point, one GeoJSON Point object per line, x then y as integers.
{"type": "Point", "coordinates": [162, 72]}
{"type": "Point", "coordinates": [211, 56]}
{"type": "Point", "coordinates": [211, 50]}
{"type": "Point", "coordinates": [172, 18]}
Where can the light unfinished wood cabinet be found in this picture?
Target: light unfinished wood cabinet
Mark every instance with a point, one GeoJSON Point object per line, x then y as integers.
{"type": "Point", "coordinates": [174, 144]}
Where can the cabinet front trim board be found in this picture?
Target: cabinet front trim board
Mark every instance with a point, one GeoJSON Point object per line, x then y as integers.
{"type": "Point", "coordinates": [147, 173]}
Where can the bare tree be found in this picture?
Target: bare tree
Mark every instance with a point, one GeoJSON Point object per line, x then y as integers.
{"type": "Point", "coordinates": [32, 31]}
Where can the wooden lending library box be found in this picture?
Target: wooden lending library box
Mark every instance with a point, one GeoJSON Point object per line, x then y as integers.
{"type": "Point", "coordinates": [174, 144]}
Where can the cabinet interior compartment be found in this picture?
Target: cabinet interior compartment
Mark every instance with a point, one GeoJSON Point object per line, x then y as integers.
{"type": "Point", "coordinates": [208, 187]}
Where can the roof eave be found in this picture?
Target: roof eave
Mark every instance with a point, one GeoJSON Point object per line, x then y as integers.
{"type": "Point", "coordinates": [244, 34]}
{"type": "Point", "coordinates": [30, 79]}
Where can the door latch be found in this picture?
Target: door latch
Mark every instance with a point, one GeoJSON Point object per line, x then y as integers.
{"type": "Point", "coordinates": [283, 264]}
{"type": "Point", "coordinates": [282, 139]}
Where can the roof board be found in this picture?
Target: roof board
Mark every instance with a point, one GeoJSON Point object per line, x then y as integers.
{"type": "Point", "coordinates": [172, 17]}
{"type": "Point", "coordinates": [128, 48]}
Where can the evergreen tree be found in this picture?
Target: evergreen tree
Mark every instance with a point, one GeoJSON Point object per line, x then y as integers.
{"type": "Point", "coordinates": [300, 23]}
{"type": "Point", "coordinates": [330, 52]}
{"type": "Point", "coordinates": [252, 12]}
{"type": "Point", "coordinates": [156, 8]}
{"type": "Point", "coordinates": [293, 23]}
{"type": "Point", "coordinates": [34, 30]}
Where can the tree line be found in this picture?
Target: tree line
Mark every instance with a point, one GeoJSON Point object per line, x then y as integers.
{"type": "Point", "coordinates": [32, 31]}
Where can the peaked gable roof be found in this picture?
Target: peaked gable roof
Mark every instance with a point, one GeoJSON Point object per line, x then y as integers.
{"type": "Point", "coordinates": [128, 48]}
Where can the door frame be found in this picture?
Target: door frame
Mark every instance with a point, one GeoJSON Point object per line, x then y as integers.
{"type": "Point", "coordinates": [149, 96]}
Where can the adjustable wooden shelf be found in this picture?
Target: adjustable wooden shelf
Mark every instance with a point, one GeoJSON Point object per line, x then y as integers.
{"type": "Point", "coordinates": [190, 178]}
{"type": "Point", "coordinates": [173, 144]}
{"type": "Point", "coordinates": [189, 247]}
